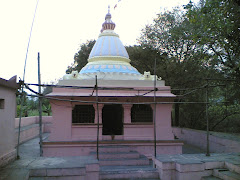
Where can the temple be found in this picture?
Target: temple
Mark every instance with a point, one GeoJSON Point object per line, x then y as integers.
{"type": "Point", "coordinates": [110, 103]}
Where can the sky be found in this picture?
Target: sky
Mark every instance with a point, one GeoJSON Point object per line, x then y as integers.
{"type": "Point", "coordinates": [60, 27]}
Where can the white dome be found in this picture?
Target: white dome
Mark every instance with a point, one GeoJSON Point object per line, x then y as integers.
{"type": "Point", "coordinates": [108, 44]}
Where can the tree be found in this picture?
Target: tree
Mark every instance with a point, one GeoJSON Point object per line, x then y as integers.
{"type": "Point", "coordinates": [81, 57]}
{"type": "Point", "coordinates": [216, 24]}
{"type": "Point", "coordinates": [216, 28]}
{"type": "Point", "coordinates": [30, 106]}
{"type": "Point", "coordinates": [184, 63]}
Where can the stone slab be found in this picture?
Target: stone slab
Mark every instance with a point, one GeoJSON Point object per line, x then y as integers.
{"type": "Point", "coordinates": [226, 174]}
{"type": "Point", "coordinates": [9, 174]}
{"type": "Point", "coordinates": [189, 166]}
{"type": "Point", "coordinates": [62, 162]}
{"type": "Point", "coordinates": [233, 167]}
{"type": "Point", "coordinates": [214, 164]}
{"type": "Point", "coordinates": [192, 175]}
{"type": "Point", "coordinates": [210, 178]}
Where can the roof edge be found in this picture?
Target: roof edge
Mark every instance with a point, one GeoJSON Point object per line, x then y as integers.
{"type": "Point", "coordinates": [11, 83]}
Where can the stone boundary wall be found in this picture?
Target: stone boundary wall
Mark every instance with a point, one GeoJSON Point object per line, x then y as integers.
{"type": "Point", "coordinates": [7, 158]}
{"type": "Point", "coordinates": [217, 143]}
{"type": "Point", "coordinates": [30, 127]}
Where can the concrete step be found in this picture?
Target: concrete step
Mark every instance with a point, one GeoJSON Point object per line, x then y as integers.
{"type": "Point", "coordinates": [142, 160]}
{"type": "Point", "coordinates": [58, 172]}
{"type": "Point", "coordinates": [116, 155]}
{"type": "Point", "coordinates": [13, 174]}
{"type": "Point", "coordinates": [58, 178]}
{"type": "Point", "coordinates": [114, 148]}
{"type": "Point", "coordinates": [233, 167]}
{"type": "Point", "coordinates": [128, 172]}
{"type": "Point", "coordinates": [226, 174]}
{"type": "Point", "coordinates": [210, 178]}
{"type": "Point", "coordinates": [134, 179]}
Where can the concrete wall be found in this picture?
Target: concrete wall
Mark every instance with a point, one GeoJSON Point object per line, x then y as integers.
{"type": "Point", "coordinates": [217, 143]}
{"type": "Point", "coordinates": [7, 133]}
{"type": "Point", "coordinates": [30, 127]}
{"type": "Point", "coordinates": [64, 130]}
{"type": "Point", "coordinates": [26, 121]}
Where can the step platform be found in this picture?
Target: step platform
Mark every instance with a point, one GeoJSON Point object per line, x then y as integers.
{"type": "Point", "coordinates": [128, 172]}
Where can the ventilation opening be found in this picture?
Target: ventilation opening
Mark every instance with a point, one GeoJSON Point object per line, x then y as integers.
{"type": "Point", "coordinates": [83, 114]}
{"type": "Point", "coordinates": [141, 113]}
{"type": "Point", "coordinates": [2, 103]}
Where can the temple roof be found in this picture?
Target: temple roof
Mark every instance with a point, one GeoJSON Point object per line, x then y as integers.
{"type": "Point", "coordinates": [109, 58]}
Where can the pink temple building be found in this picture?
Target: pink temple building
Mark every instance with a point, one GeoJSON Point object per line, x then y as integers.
{"type": "Point", "coordinates": [124, 114]}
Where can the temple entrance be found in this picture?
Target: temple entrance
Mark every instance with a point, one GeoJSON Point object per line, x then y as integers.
{"type": "Point", "coordinates": [112, 119]}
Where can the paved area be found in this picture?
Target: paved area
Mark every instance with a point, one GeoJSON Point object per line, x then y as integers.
{"type": "Point", "coordinates": [233, 136]}
{"type": "Point", "coordinates": [29, 158]}
{"type": "Point", "coordinates": [199, 166]}
{"type": "Point", "coordinates": [233, 158]}
{"type": "Point", "coordinates": [189, 149]}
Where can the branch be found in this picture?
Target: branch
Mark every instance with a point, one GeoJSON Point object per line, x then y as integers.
{"type": "Point", "coordinates": [211, 46]}
{"type": "Point", "coordinates": [223, 119]}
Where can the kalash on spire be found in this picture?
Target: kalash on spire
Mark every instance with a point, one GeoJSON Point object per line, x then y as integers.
{"type": "Point", "coordinates": [108, 24]}
{"type": "Point", "coordinates": [108, 59]}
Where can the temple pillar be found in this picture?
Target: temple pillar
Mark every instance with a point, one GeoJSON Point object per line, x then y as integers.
{"type": "Point", "coordinates": [100, 107]}
{"type": "Point", "coordinates": [62, 121]}
{"type": "Point", "coordinates": [163, 121]}
{"type": "Point", "coordinates": [127, 113]}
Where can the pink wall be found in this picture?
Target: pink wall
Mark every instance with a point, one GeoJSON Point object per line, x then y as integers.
{"type": "Point", "coordinates": [25, 121]}
{"type": "Point", "coordinates": [30, 127]}
{"type": "Point", "coordinates": [7, 131]}
{"type": "Point", "coordinates": [63, 130]}
{"type": "Point", "coordinates": [163, 122]}
{"type": "Point", "coordinates": [27, 134]}
{"type": "Point", "coordinates": [85, 132]}
{"type": "Point", "coordinates": [138, 132]}
{"type": "Point", "coordinates": [61, 123]}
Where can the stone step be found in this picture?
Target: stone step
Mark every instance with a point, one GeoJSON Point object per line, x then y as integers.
{"type": "Point", "coordinates": [135, 179]}
{"type": "Point", "coordinates": [226, 174]}
{"type": "Point", "coordinates": [210, 178]}
{"type": "Point", "coordinates": [142, 160]}
{"type": "Point", "coordinates": [233, 167]}
{"type": "Point", "coordinates": [128, 172]}
{"type": "Point", "coordinates": [116, 155]}
{"type": "Point", "coordinates": [114, 148]}
{"type": "Point", "coordinates": [58, 178]}
{"type": "Point", "coordinates": [13, 174]}
{"type": "Point", "coordinates": [58, 172]}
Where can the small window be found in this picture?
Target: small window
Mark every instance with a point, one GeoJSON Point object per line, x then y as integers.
{"type": "Point", "coordinates": [141, 113]}
{"type": "Point", "coordinates": [83, 114]}
{"type": "Point", "coordinates": [2, 103]}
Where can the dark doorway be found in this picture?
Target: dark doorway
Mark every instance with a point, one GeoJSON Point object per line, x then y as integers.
{"type": "Point", "coordinates": [112, 119]}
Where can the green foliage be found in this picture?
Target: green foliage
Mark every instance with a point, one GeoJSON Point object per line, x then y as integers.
{"type": "Point", "coordinates": [81, 57]}
{"type": "Point", "coordinates": [216, 24]}
{"type": "Point", "coordinates": [30, 106]}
